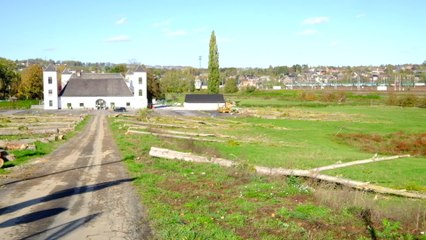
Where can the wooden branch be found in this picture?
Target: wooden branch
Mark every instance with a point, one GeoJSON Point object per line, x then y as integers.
{"type": "Point", "coordinates": [370, 160]}
{"type": "Point", "coordinates": [174, 136]}
{"type": "Point", "coordinates": [364, 186]}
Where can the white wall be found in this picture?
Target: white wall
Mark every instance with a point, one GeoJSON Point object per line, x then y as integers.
{"type": "Point", "coordinates": [90, 102]}
{"type": "Point", "coordinates": [203, 106]}
{"type": "Point", "coordinates": [53, 87]}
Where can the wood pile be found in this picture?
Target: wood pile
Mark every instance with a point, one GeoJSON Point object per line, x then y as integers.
{"type": "Point", "coordinates": [21, 132]}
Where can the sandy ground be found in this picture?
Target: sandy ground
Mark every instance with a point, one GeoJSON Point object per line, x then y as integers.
{"type": "Point", "coordinates": [80, 191]}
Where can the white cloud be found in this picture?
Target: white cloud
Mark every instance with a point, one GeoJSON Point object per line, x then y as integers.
{"type": "Point", "coordinates": [307, 32]}
{"type": "Point", "coordinates": [175, 33]}
{"type": "Point", "coordinates": [121, 21]}
{"type": "Point", "coordinates": [315, 20]}
{"type": "Point", "coordinates": [119, 38]}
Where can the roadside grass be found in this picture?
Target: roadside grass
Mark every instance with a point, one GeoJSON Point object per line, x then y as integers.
{"type": "Point", "coordinates": [201, 201]}
{"type": "Point", "coordinates": [24, 156]}
{"type": "Point", "coordinates": [20, 104]}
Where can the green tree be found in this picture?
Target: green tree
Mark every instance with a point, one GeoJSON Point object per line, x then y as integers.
{"type": "Point", "coordinates": [177, 81]}
{"type": "Point", "coordinates": [214, 75]}
{"type": "Point", "coordinates": [120, 68]}
{"type": "Point", "coordinates": [9, 78]}
{"type": "Point", "coordinates": [31, 86]}
{"type": "Point", "coordinates": [231, 85]}
{"type": "Point", "coordinates": [154, 89]}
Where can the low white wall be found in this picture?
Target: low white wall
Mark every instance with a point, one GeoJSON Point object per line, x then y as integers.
{"type": "Point", "coordinates": [203, 106]}
{"type": "Point", "coordinates": [90, 102]}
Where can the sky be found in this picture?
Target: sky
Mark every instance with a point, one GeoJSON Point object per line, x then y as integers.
{"type": "Point", "coordinates": [249, 33]}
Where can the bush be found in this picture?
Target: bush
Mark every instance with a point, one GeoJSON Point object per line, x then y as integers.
{"type": "Point", "coordinates": [307, 96]}
{"type": "Point", "coordinates": [408, 101]}
{"type": "Point", "coordinates": [392, 100]}
{"type": "Point", "coordinates": [421, 103]}
{"type": "Point", "coordinates": [249, 89]}
{"type": "Point", "coordinates": [337, 97]}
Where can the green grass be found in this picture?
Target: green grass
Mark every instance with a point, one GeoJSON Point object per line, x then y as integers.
{"type": "Point", "coordinates": [202, 201]}
{"type": "Point", "coordinates": [409, 172]}
{"type": "Point", "coordinates": [20, 104]}
{"type": "Point", "coordinates": [23, 156]}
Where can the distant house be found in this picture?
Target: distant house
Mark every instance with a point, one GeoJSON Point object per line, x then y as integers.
{"type": "Point", "coordinates": [94, 91]}
{"type": "Point", "coordinates": [204, 102]}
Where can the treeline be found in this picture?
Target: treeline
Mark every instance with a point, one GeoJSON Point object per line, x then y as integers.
{"type": "Point", "coordinates": [26, 84]}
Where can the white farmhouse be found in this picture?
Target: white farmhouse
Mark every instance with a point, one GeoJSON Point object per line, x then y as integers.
{"type": "Point", "coordinates": [94, 91]}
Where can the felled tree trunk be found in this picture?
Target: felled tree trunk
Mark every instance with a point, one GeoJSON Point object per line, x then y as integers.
{"type": "Point", "coordinates": [364, 186]}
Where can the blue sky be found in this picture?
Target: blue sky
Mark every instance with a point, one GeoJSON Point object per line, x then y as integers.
{"type": "Point", "coordinates": [249, 33]}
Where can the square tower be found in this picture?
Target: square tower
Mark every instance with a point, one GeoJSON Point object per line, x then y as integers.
{"type": "Point", "coordinates": [138, 81]}
{"type": "Point", "coordinates": [50, 88]}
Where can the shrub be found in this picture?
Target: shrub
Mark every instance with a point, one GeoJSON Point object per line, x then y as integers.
{"type": "Point", "coordinates": [392, 100]}
{"type": "Point", "coordinates": [337, 97]}
{"type": "Point", "coordinates": [307, 96]}
{"type": "Point", "coordinates": [408, 101]}
{"type": "Point", "coordinates": [249, 89]}
{"type": "Point", "coordinates": [421, 103]}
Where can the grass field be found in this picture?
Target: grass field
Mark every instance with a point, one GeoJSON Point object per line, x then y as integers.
{"type": "Point", "coordinates": [304, 138]}
{"type": "Point", "coordinates": [196, 201]}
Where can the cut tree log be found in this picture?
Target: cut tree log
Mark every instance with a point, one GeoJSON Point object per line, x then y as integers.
{"type": "Point", "coordinates": [8, 132]}
{"type": "Point", "coordinates": [127, 122]}
{"type": "Point", "coordinates": [364, 186]}
{"type": "Point", "coordinates": [173, 136]}
{"type": "Point", "coordinates": [347, 164]}
{"type": "Point", "coordinates": [183, 133]}
{"type": "Point", "coordinates": [48, 124]}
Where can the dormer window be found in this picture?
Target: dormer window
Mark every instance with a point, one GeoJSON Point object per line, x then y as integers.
{"type": "Point", "coordinates": [49, 80]}
{"type": "Point", "coordinates": [140, 80]}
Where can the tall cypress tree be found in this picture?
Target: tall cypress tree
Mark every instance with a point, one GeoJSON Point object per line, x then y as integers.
{"type": "Point", "coordinates": [213, 84]}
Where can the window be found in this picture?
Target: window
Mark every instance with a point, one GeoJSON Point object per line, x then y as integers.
{"type": "Point", "coordinates": [69, 106]}
{"type": "Point", "coordinates": [127, 104]}
{"type": "Point", "coordinates": [140, 92]}
{"type": "Point", "coordinates": [50, 103]}
{"type": "Point", "coordinates": [49, 80]}
{"type": "Point", "coordinates": [140, 80]}
{"type": "Point", "coordinates": [50, 91]}
{"type": "Point", "coordinates": [81, 104]}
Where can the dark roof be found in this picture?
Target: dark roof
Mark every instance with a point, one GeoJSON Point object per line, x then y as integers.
{"type": "Point", "coordinates": [96, 85]}
{"type": "Point", "coordinates": [139, 69]}
{"type": "Point", "coordinates": [50, 68]}
{"type": "Point", "coordinates": [204, 98]}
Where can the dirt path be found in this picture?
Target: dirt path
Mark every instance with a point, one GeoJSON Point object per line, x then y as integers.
{"type": "Point", "coordinates": [81, 191]}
